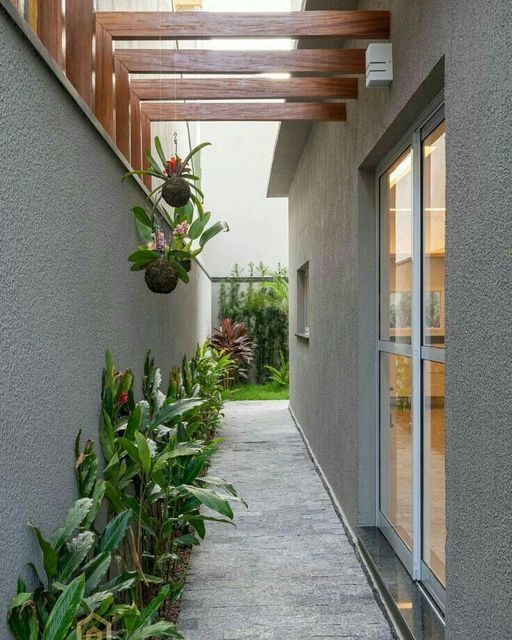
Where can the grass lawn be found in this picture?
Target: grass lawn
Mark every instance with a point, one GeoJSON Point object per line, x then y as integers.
{"type": "Point", "coordinates": [269, 391]}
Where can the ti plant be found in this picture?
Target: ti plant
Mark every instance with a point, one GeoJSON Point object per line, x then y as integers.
{"type": "Point", "coordinates": [167, 258]}
{"type": "Point", "coordinates": [231, 338]}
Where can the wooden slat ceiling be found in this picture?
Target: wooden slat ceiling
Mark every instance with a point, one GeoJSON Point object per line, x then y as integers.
{"type": "Point", "coordinates": [196, 25]}
{"type": "Point", "coordinates": [244, 88]}
{"type": "Point", "coordinates": [126, 106]}
{"type": "Point", "coordinates": [202, 61]}
{"type": "Point", "coordinates": [239, 111]}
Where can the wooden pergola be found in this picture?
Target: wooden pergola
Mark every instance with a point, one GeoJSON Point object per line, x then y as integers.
{"type": "Point", "coordinates": [319, 78]}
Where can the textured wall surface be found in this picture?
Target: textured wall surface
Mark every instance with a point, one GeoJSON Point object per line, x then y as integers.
{"type": "Point", "coordinates": [67, 295]}
{"type": "Point", "coordinates": [333, 225]}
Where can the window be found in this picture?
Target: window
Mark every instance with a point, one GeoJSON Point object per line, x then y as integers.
{"type": "Point", "coordinates": [412, 213]}
{"type": "Point", "coordinates": [303, 310]}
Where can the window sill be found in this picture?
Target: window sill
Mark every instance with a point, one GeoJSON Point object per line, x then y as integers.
{"type": "Point", "coordinates": [303, 336]}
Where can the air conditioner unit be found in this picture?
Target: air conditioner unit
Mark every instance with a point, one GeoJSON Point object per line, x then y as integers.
{"type": "Point", "coordinates": [379, 64]}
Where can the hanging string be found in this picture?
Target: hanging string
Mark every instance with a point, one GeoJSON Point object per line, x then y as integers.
{"type": "Point", "coordinates": [187, 124]}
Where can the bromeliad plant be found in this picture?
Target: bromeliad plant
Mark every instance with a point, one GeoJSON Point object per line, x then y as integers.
{"type": "Point", "coordinates": [231, 339]}
{"type": "Point", "coordinates": [168, 259]}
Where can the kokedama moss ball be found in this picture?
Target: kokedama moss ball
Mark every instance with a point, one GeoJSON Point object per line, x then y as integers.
{"type": "Point", "coordinates": [161, 277]}
{"type": "Point", "coordinates": [176, 192]}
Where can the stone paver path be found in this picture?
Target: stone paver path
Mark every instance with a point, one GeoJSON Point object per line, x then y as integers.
{"type": "Point", "coordinates": [287, 571]}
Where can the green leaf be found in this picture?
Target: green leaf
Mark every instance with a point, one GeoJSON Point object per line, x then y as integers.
{"type": "Point", "coordinates": [143, 255]}
{"type": "Point", "coordinates": [142, 216]}
{"type": "Point", "coordinates": [131, 449]}
{"type": "Point", "coordinates": [123, 582]}
{"type": "Point", "coordinates": [160, 151]}
{"type": "Point", "coordinates": [196, 150]}
{"type": "Point", "coordinates": [197, 189]}
{"type": "Point", "coordinates": [49, 555]}
{"type": "Point", "coordinates": [64, 611]}
{"type": "Point", "coordinates": [180, 270]}
{"type": "Point", "coordinates": [155, 604]}
{"type": "Point", "coordinates": [211, 500]}
{"type": "Point", "coordinates": [212, 231]}
{"type": "Point", "coordinates": [134, 423]}
{"type": "Point", "coordinates": [144, 451]}
{"type": "Point", "coordinates": [76, 552]}
{"type": "Point", "coordinates": [198, 226]}
{"type": "Point", "coordinates": [180, 407]}
{"type": "Point", "coordinates": [160, 629]}
{"type": "Point", "coordinates": [76, 515]}
{"type": "Point", "coordinates": [114, 533]}
{"type": "Point", "coordinates": [219, 482]}
{"type": "Point", "coordinates": [95, 570]}
{"type": "Point", "coordinates": [154, 165]}
{"type": "Point", "coordinates": [187, 540]}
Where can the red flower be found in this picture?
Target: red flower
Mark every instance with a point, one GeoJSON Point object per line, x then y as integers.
{"type": "Point", "coordinates": [123, 398]}
{"type": "Point", "coordinates": [172, 162]}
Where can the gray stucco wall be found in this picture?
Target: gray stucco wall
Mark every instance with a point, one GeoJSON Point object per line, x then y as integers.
{"type": "Point", "coordinates": [333, 225]}
{"type": "Point", "coordinates": [67, 295]}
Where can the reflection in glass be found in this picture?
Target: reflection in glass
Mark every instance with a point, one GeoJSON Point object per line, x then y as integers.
{"type": "Point", "coordinates": [396, 250]}
{"type": "Point", "coordinates": [434, 515]}
{"type": "Point", "coordinates": [396, 444]}
{"type": "Point", "coordinates": [434, 214]}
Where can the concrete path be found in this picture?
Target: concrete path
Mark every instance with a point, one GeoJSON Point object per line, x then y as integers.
{"type": "Point", "coordinates": [287, 571]}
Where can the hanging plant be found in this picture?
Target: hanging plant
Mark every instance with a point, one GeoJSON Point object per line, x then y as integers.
{"type": "Point", "coordinates": [168, 259]}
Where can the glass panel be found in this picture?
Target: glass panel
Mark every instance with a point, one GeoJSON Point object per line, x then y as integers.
{"type": "Point", "coordinates": [434, 214]}
{"type": "Point", "coordinates": [434, 515]}
{"type": "Point", "coordinates": [396, 250]}
{"type": "Point", "coordinates": [396, 444]}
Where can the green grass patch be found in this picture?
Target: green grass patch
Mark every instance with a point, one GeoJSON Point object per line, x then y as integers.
{"type": "Point", "coordinates": [269, 391]}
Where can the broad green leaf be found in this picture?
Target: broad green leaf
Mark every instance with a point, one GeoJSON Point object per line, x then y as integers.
{"type": "Point", "coordinates": [155, 604]}
{"type": "Point", "coordinates": [64, 611]}
{"type": "Point", "coordinates": [198, 226]}
{"type": "Point", "coordinates": [95, 570]}
{"type": "Point", "coordinates": [142, 255]}
{"type": "Point", "coordinates": [134, 423]}
{"type": "Point", "coordinates": [144, 451]}
{"type": "Point", "coordinates": [212, 231]}
{"type": "Point", "coordinates": [180, 407]}
{"type": "Point", "coordinates": [180, 270]}
{"type": "Point", "coordinates": [160, 629]}
{"type": "Point", "coordinates": [142, 216]}
{"type": "Point", "coordinates": [211, 500]}
{"type": "Point", "coordinates": [76, 515]}
{"type": "Point", "coordinates": [131, 449]}
{"type": "Point", "coordinates": [187, 540]}
{"type": "Point", "coordinates": [219, 482]}
{"type": "Point", "coordinates": [145, 233]}
{"type": "Point", "coordinates": [154, 165]}
{"type": "Point", "coordinates": [114, 532]}
{"type": "Point", "coordinates": [49, 555]}
{"type": "Point", "coordinates": [76, 552]}
{"type": "Point", "coordinates": [123, 582]}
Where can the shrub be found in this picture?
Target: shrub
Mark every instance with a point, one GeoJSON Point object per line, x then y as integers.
{"type": "Point", "coordinates": [231, 339]}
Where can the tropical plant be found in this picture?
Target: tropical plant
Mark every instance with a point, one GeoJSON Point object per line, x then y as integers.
{"type": "Point", "coordinates": [155, 486]}
{"type": "Point", "coordinates": [231, 338]}
{"type": "Point", "coordinates": [167, 258]}
{"type": "Point", "coordinates": [263, 308]}
{"type": "Point", "coordinates": [76, 563]}
{"type": "Point", "coordinates": [280, 375]}
{"type": "Point", "coordinates": [155, 460]}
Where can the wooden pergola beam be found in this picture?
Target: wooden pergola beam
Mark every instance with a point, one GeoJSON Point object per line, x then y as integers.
{"type": "Point", "coordinates": [202, 61]}
{"type": "Point", "coordinates": [243, 88]}
{"type": "Point", "coordinates": [192, 25]}
{"type": "Point", "coordinates": [243, 111]}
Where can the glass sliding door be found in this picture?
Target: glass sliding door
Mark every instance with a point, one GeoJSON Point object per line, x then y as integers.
{"type": "Point", "coordinates": [412, 213]}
